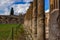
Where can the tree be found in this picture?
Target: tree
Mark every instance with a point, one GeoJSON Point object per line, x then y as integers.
{"type": "Point", "coordinates": [12, 11]}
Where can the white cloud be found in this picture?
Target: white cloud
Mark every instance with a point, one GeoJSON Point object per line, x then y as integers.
{"type": "Point", "coordinates": [5, 3]}
{"type": "Point", "coordinates": [28, 0]}
{"type": "Point", "coordinates": [23, 0]}
{"type": "Point", "coordinates": [6, 12]}
{"type": "Point", "coordinates": [18, 8]}
{"type": "Point", "coordinates": [47, 11]}
{"type": "Point", "coordinates": [3, 6]}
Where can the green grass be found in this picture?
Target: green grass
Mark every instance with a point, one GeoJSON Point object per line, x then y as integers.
{"type": "Point", "coordinates": [6, 29]}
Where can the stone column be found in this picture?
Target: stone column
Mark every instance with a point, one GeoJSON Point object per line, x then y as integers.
{"type": "Point", "coordinates": [34, 20]}
{"type": "Point", "coordinates": [28, 22]}
{"type": "Point", "coordinates": [40, 20]}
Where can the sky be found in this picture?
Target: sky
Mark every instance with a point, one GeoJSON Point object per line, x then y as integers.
{"type": "Point", "coordinates": [46, 6]}
{"type": "Point", "coordinates": [20, 6]}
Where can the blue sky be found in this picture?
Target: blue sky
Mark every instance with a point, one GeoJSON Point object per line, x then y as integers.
{"type": "Point", "coordinates": [20, 6]}
{"type": "Point", "coordinates": [46, 5]}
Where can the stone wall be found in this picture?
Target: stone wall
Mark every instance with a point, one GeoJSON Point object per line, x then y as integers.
{"type": "Point", "coordinates": [11, 19]}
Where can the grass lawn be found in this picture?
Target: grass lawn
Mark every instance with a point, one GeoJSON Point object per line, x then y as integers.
{"type": "Point", "coordinates": [6, 30]}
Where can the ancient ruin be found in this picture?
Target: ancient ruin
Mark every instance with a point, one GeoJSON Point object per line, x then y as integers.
{"type": "Point", "coordinates": [38, 23]}
{"type": "Point", "coordinates": [34, 21]}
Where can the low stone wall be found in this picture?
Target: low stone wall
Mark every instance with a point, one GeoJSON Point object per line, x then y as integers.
{"type": "Point", "coordinates": [11, 19]}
